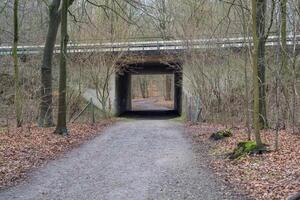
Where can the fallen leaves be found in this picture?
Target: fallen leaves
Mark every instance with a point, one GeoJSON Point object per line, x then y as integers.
{"type": "Point", "coordinates": [274, 175]}
{"type": "Point", "coordinates": [22, 149]}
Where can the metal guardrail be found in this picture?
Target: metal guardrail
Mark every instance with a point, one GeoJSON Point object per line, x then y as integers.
{"type": "Point", "coordinates": [143, 46]}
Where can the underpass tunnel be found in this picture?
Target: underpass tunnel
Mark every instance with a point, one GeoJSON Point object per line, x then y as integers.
{"type": "Point", "coordinates": [123, 85]}
{"type": "Point", "coordinates": [152, 92]}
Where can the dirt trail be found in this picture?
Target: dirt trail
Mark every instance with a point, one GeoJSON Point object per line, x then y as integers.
{"type": "Point", "coordinates": [148, 104]}
{"type": "Point", "coordinates": [132, 160]}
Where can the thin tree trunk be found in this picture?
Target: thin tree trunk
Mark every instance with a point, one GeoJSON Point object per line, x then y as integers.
{"type": "Point", "coordinates": [247, 96]}
{"type": "Point", "coordinates": [284, 59]}
{"type": "Point", "coordinates": [294, 99]}
{"type": "Point", "coordinates": [45, 115]}
{"type": "Point", "coordinates": [283, 31]}
{"type": "Point", "coordinates": [143, 87]}
{"type": "Point", "coordinates": [277, 87]}
{"type": "Point", "coordinates": [260, 31]}
{"type": "Point", "coordinates": [163, 21]}
{"type": "Point", "coordinates": [61, 127]}
{"type": "Point", "coordinates": [246, 51]}
{"type": "Point", "coordinates": [277, 113]}
{"type": "Point", "coordinates": [256, 79]}
{"type": "Point", "coordinates": [18, 103]}
{"type": "Point", "coordinates": [168, 88]}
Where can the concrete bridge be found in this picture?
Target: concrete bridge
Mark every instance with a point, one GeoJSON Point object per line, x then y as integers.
{"type": "Point", "coordinates": [153, 52]}
{"type": "Point", "coordinates": [158, 46]}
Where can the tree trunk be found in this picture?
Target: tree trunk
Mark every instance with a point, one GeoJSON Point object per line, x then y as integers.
{"type": "Point", "coordinates": [46, 116]}
{"type": "Point", "coordinates": [246, 51]}
{"type": "Point", "coordinates": [168, 88]}
{"type": "Point", "coordinates": [256, 78]}
{"type": "Point", "coordinates": [18, 103]}
{"type": "Point", "coordinates": [143, 87]}
{"type": "Point", "coordinates": [260, 31]}
{"type": "Point", "coordinates": [283, 33]}
{"type": "Point", "coordinates": [61, 127]}
{"type": "Point", "coordinates": [163, 21]}
{"type": "Point", "coordinates": [283, 53]}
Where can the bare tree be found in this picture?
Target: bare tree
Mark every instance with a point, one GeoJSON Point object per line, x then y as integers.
{"type": "Point", "coordinates": [258, 54]}
{"type": "Point", "coordinates": [101, 70]}
{"type": "Point", "coordinates": [18, 98]}
{"type": "Point", "coordinates": [144, 86]}
{"type": "Point", "coordinates": [61, 127]}
{"type": "Point", "coordinates": [46, 115]}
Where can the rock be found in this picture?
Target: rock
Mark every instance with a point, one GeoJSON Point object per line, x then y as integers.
{"type": "Point", "coordinates": [295, 196]}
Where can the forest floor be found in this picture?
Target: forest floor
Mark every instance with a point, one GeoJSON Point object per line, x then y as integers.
{"type": "Point", "coordinates": [273, 175]}
{"type": "Point", "coordinates": [29, 147]}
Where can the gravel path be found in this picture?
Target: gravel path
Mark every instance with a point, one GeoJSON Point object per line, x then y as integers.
{"type": "Point", "coordinates": [132, 160]}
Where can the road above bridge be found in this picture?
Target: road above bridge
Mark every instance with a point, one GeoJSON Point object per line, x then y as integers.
{"type": "Point", "coordinates": [156, 46]}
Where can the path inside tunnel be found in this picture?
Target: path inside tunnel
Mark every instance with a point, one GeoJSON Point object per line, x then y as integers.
{"type": "Point", "coordinates": [148, 104]}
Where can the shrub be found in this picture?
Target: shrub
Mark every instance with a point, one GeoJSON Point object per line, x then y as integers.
{"type": "Point", "coordinates": [221, 134]}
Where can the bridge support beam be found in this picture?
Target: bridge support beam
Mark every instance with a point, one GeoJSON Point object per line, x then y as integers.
{"type": "Point", "coordinates": [122, 101]}
{"type": "Point", "coordinates": [178, 92]}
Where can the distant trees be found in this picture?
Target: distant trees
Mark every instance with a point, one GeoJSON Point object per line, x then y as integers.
{"type": "Point", "coordinates": [163, 21]}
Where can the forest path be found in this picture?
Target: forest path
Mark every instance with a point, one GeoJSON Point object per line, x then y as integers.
{"type": "Point", "coordinates": [147, 104]}
{"type": "Point", "coordinates": [131, 160]}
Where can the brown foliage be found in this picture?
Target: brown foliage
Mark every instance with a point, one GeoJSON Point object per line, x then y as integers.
{"type": "Point", "coordinates": [22, 149]}
{"type": "Point", "coordinates": [274, 175]}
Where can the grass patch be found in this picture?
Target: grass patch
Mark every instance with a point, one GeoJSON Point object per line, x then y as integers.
{"type": "Point", "coordinates": [246, 148]}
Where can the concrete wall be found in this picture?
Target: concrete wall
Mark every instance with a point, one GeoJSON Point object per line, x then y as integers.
{"type": "Point", "coordinates": [191, 102]}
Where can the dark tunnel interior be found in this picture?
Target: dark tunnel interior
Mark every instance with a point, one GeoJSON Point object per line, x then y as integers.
{"type": "Point", "coordinates": [123, 88]}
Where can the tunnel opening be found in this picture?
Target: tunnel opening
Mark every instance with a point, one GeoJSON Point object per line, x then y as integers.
{"type": "Point", "coordinates": [152, 92]}
{"type": "Point", "coordinates": [161, 102]}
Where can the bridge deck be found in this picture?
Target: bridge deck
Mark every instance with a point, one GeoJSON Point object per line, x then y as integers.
{"type": "Point", "coordinates": [150, 46]}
